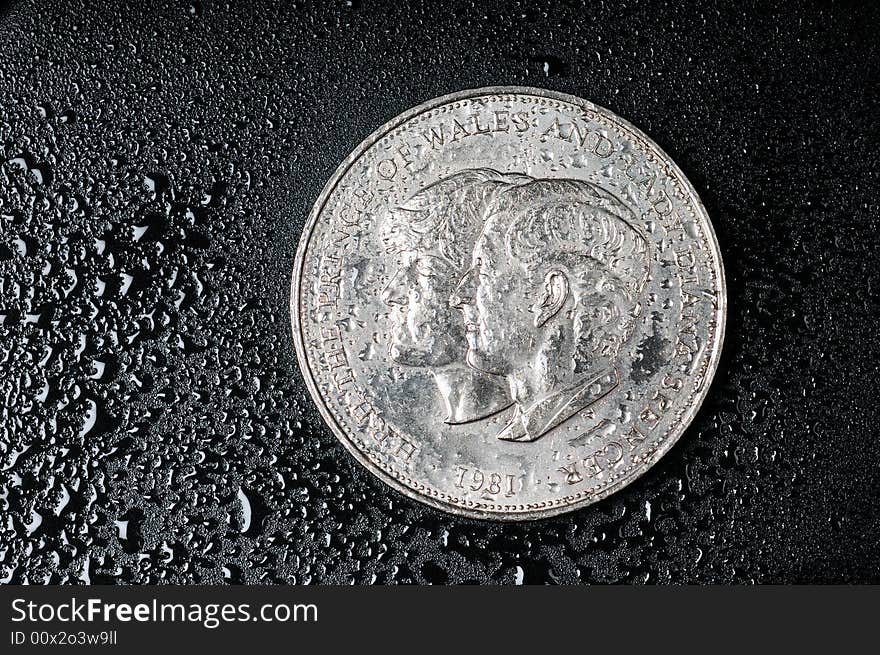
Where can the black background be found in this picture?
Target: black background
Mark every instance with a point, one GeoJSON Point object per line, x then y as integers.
{"type": "Point", "coordinates": [158, 161]}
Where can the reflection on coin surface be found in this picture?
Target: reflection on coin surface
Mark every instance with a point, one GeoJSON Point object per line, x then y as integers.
{"type": "Point", "coordinates": [508, 303]}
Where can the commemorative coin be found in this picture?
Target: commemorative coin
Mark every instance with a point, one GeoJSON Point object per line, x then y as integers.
{"type": "Point", "coordinates": [508, 303]}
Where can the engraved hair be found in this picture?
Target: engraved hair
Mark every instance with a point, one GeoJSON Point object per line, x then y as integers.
{"type": "Point", "coordinates": [448, 215]}
{"type": "Point", "coordinates": [586, 230]}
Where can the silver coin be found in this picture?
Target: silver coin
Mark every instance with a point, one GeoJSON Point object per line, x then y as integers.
{"type": "Point", "coordinates": [508, 303]}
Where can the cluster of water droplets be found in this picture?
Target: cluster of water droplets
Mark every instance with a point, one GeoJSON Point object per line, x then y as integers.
{"type": "Point", "coordinates": [156, 167]}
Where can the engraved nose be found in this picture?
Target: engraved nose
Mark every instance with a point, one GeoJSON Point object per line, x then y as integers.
{"type": "Point", "coordinates": [464, 290]}
{"type": "Point", "coordinates": [394, 292]}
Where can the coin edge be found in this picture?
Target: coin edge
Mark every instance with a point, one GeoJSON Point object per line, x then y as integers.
{"type": "Point", "coordinates": [296, 324]}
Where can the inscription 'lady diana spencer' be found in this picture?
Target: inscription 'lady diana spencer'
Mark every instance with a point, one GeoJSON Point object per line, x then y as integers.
{"type": "Point", "coordinates": [508, 303]}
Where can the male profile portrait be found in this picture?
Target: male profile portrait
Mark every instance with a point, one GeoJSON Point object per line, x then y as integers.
{"type": "Point", "coordinates": [551, 297]}
{"type": "Point", "coordinates": [431, 237]}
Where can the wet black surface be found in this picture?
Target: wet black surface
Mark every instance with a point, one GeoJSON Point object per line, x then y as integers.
{"type": "Point", "coordinates": [157, 165]}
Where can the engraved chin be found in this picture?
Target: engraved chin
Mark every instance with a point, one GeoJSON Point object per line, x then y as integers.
{"type": "Point", "coordinates": [403, 350]}
{"type": "Point", "coordinates": [419, 346]}
{"type": "Point", "coordinates": [486, 349]}
{"type": "Point", "coordinates": [476, 352]}
{"type": "Point", "coordinates": [479, 356]}
{"type": "Point", "coordinates": [479, 359]}
{"type": "Point", "coordinates": [408, 354]}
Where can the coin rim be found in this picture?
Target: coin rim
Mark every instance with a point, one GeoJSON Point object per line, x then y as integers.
{"type": "Point", "coordinates": [296, 323]}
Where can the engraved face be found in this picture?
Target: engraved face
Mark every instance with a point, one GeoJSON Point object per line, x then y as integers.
{"type": "Point", "coordinates": [431, 237]}
{"type": "Point", "coordinates": [425, 330]}
{"type": "Point", "coordinates": [550, 298]}
{"type": "Point", "coordinates": [554, 284]}
{"type": "Point", "coordinates": [495, 298]}
{"type": "Point", "coordinates": [429, 240]}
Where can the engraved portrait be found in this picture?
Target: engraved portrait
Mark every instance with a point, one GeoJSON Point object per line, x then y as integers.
{"type": "Point", "coordinates": [551, 297]}
{"type": "Point", "coordinates": [430, 238]}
